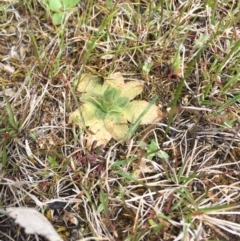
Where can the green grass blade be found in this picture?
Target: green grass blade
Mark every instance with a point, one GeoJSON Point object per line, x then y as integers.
{"type": "Point", "coordinates": [231, 81]}
{"type": "Point", "coordinates": [35, 49]}
{"type": "Point", "coordinates": [92, 44]}
{"type": "Point", "coordinates": [131, 178]}
{"type": "Point", "coordinates": [4, 154]}
{"type": "Point", "coordinates": [229, 103]}
{"type": "Point", "coordinates": [120, 163]}
{"type": "Point", "coordinates": [11, 117]}
{"type": "Point", "coordinates": [234, 52]}
{"type": "Point", "coordinates": [174, 105]}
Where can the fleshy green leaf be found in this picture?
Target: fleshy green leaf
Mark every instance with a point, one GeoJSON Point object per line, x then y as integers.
{"type": "Point", "coordinates": [111, 94]}
{"type": "Point", "coordinates": [134, 109]}
{"type": "Point", "coordinates": [153, 147]}
{"type": "Point", "coordinates": [97, 102]}
{"type": "Point", "coordinates": [61, 5]}
{"type": "Point", "coordinates": [122, 101]}
{"type": "Point", "coordinates": [107, 106]}
{"type": "Point", "coordinates": [55, 5]}
{"type": "Point", "coordinates": [57, 18]}
{"type": "Point", "coordinates": [70, 3]}
{"type": "Point", "coordinates": [162, 154]}
{"type": "Point", "coordinates": [100, 114]}
{"type": "Point", "coordinates": [115, 109]}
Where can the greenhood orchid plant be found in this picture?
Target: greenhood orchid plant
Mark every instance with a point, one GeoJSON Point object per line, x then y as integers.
{"type": "Point", "coordinates": [108, 108]}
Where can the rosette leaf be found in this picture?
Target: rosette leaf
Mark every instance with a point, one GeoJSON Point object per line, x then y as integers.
{"type": "Point", "coordinates": [107, 108]}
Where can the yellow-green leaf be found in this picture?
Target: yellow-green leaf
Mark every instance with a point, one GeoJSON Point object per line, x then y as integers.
{"type": "Point", "coordinates": [132, 89]}
{"type": "Point", "coordinates": [90, 83]}
{"type": "Point", "coordinates": [135, 108]}
{"type": "Point", "coordinates": [88, 115]}
{"type": "Point", "coordinates": [116, 125]}
{"type": "Point", "coordinates": [114, 80]}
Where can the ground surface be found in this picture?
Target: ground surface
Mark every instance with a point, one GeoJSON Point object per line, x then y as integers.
{"type": "Point", "coordinates": [119, 192]}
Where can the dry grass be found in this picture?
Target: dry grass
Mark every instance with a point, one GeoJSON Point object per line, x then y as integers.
{"type": "Point", "coordinates": [116, 192]}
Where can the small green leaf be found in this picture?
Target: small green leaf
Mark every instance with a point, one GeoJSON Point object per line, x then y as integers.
{"type": "Point", "coordinates": [97, 102]}
{"type": "Point", "coordinates": [122, 102]}
{"type": "Point", "coordinates": [152, 146]}
{"type": "Point", "coordinates": [115, 109]}
{"type": "Point", "coordinates": [110, 94]}
{"type": "Point", "coordinates": [153, 149]}
{"type": "Point", "coordinates": [162, 154]}
{"type": "Point", "coordinates": [55, 5]}
{"type": "Point", "coordinates": [61, 5]}
{"type": "Point", "coordinates": [210, 3]}
{"type": "Point", "coordinates": [52, 161]}
{"type": "Point", "coordinates": [201, 41]}
{"type": "Point", "coordinates": [70, 3]}
{"type": "Point", "coordinates": [100, 114]}
{"type": "Point", "coordinates": [147, 67]}
{"type": "Point", "coordinates": [57, 18]}
{"type": "Point", "coordinates": [105, 106]}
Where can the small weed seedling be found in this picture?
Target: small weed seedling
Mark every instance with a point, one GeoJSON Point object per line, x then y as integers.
{"type": "Point", "coordinates": [59, 8]}
{"type": "Point", "coordinates": [153, 150]}
{"type": "Point", "coordinates": [52, 161]}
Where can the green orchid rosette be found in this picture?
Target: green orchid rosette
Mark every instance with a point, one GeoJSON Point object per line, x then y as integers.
{"type": "Point", "coordinates": [108, 108]}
